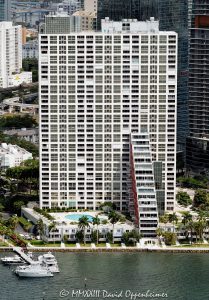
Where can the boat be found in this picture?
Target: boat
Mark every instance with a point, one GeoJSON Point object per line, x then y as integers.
{"type": "Point", "coordinates": [48, 260]}
{"type": "Point", "coordinates": [12, 260]}
{"type": "Point", "coordinates": [33, 270]}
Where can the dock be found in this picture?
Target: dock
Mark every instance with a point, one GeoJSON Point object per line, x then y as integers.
{"type": "Point", "coordinates": [24, 256]}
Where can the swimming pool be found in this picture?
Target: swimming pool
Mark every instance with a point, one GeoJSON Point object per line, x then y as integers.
{"type": "Point", "coordinates": [76, 217]}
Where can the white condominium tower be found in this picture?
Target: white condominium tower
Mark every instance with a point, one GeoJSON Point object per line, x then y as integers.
{"type": "Point", "coordinates": [10, 51]}
{"type": "Point", "coordinates": [97, 89]}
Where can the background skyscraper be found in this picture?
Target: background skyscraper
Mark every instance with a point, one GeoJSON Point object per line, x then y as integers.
{"type": "Point", "coordinates": [173, 16]}
{"type": "Point", "coordinates": [198, 142]}
{"type": "Point", "coordinates": [117, 10]}
{"type": "Point", "coordinates": [5, 10]}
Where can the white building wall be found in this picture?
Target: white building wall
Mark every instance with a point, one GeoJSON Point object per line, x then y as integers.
{"type": "Point", "coordinates": [10, 51]}
{"type": "Point", "coordinates": [96, 88]}
{"type": "Point", "coordinates": [12, 155]}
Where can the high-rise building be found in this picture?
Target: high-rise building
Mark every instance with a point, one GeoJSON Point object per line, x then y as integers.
{"type": "Point", "coordinates": [87, 19]}
{"type": "Point", "coordinates": [198, 141]}
{"type": "Point", "coordinates": [96, 89]}
{"type": "Point", "coordinates": [117, 10]}
{"type": "Point", "coordinates": [5, 10]}
{"type": "Point", "coordinates": [172, 16]}
{"type": "Point", "coordinates": [70, 6]}
{"type": "Point", "coordinates": [61, 22]}
{"type": "Point", "coordinates": [90, 5]}
{"type": "Point", "coordinates": [10, 51]}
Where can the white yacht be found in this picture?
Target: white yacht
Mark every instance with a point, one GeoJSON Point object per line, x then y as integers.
{"type": "Point", "coordinates": [12, 260]}
{"type": "Point", "coordinates": [33, 270]}
{"type": "Point", "coordinates": [48, 260]}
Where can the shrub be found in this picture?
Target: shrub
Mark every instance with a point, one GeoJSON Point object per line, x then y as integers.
{"type": "Point", "coordinates": [183, 199]}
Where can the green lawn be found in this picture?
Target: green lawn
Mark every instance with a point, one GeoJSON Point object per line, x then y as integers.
{"type": "Point", "coordinates": [42, 244]}
{"type": "Point", "coordinates": [2, 244]}
{"type": "Point", "coordinates": [197, 246]}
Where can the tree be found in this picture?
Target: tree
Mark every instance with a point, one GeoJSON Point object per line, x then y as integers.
{"type": "Point", "coordinates": [183, 199]}
{"type": "Point", "coordinates": [134, 236]}
{"type": "Point", "coordinates": [187, 217]}
{"type": "Point", "coordinates": [79, 236]}
{"type": "Point", "coordinates": [17, 205]}
{"type": "Point", "coordinates": [173, 219]}
{"type": "Point", "coordinates": [200, 198]}
{"type": "Point", "coordinates": [12, 222]}
{"type": "Point", "coordinates": [201, 224]}
{"type": "Point", "coordinates": [31, 64]}
{"type": "Point", "coordinates": [52, 227]}
{"type": "Point", "coordinates": [159, 232]}
{"type": "Point", "coordinates": [96, 221]}
{"type": "Point", "coordinates": [164, 219]}
{"type": "Point", "coordinates": [170, 238]}
{"type": "Point", "coordinates": [113, 218]}
{"type": "Point", "coordinates": [187, 221]}
{"type": "Point", "coordinates": [40, 227]}
{"type": "Point", "coordinates": [26, 174]}
{"type": "Point", "coordinates": [83, 224]}
{"type": "Point", "coordinates": [17, 121]}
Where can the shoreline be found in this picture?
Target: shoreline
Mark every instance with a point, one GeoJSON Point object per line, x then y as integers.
{"type": "Point", "coordinates": [112, 250]}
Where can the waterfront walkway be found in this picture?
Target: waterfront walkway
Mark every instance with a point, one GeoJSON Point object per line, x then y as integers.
{"type": "Point", "coordinates": [115, 249]}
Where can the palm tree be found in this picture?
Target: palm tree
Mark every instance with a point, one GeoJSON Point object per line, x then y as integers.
{"type": "Point", "coordinates": [52, 227]}
{"type": "Point", "coordinates": [201, 225]}
{"type": "Point", "coordinates": [96, 221]}
{"type": "Point", "coordinates": [13, 221]}
{"type": "Point", "coordinates": [191, 227]}
{"type": "Point", "coordinates": [187, 218]}
{"type": "Point", "coordinates": [159, 233]}
{"type": "Point", "coordinates": [83, 223]}
{"type": "Point", "coordinates": [113, 218]}
{"type": "Point", "coordinates": [173, 219]}
{"type": "Point", "coordinates": [40, 226]}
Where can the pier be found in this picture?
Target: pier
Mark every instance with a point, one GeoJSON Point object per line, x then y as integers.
{"type": "Point", "coordinates": [24, 256]}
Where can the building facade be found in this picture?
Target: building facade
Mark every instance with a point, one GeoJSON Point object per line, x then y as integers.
{"type": "Point", "coordinates": [10, 51]}
{"type": "Point", "coordinates": [61, 22]}
{"type": "Point", "coordinates": [143, 187]}
{"type": "Point", "coordinates": [96, 89]}
{"type": "Point", "coordinates": [11, 56]}
{"type": "Point", "coordinates": [5, 10]}
{"type": "Point", "coordinates": [28, 134]}
{"type": "Point", "coordinates": [198, 141]}
{"type": "Point", "coordinates": [12, 155]}
{"type": "Point", "coordinates": [86, 19]}
{"type": "Point", "coordinates": [172, 16]}
{"type": "Point", "coordinates": [70, 6]}
{"type": "Point", "coordinates": [30, 49]}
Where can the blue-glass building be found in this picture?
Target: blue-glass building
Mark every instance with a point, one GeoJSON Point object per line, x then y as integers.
{"type": "Point", "coordinates": [197, 158]}
{"type": "Point", "coordinates": [5, 10]}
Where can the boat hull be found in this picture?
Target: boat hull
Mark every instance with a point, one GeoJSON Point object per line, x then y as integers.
{"type": "Point", "coordinates": [33, 275]}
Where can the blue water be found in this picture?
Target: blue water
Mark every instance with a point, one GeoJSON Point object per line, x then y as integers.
{"type": "Point", "coordinates": [76, 217]}
{"type": "Point", "coordinates": [180, 276]}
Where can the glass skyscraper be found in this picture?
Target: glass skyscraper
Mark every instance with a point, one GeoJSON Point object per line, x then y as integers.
{"type": "Point", "coordinates": [173, 15]}
{"type": "Point", "coordinates": [5, 10]}
{"type": "Point", "coordinates": [117, 10]}
{"type": "Point", "coordinates": [198, 141]}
